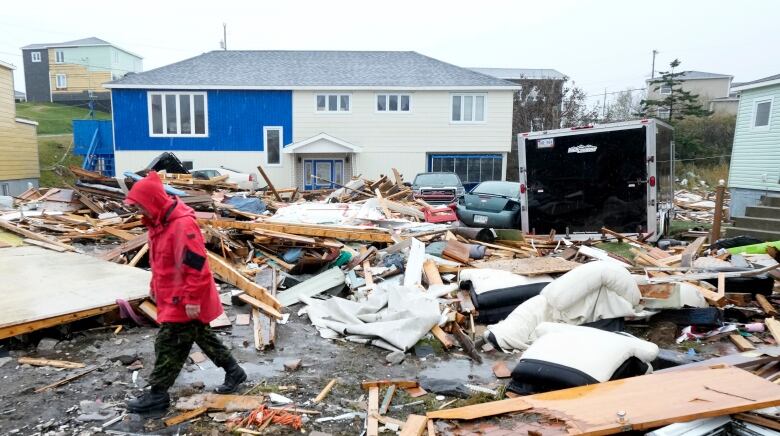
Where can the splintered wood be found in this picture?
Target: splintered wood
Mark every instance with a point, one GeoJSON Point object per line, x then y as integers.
{"type": "Point", "coordinates": [592, 409]}
{"type": "Point", "coordinates": [532, 266]}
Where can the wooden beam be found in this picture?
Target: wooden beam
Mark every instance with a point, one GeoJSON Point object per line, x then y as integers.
{"type": "Point", "coordinates": [65, 380]}
{"type": "Point", "coordinates": [774, 327]}
{"type": "Point", "coordinates": [268, 182]}
{"type": "Point", "coordinates": [257, 304]}
{"type": "Point", "coordinates": [766, 306]}
{"type": "Point", "coordinates": [621, 237]}
{"type": "Point", "coordinates": [415, 425]}
{"type": "Point", "coordinates": [387, 399]}
{"type": "Point", "coordinates": [150, 310]}
{"type": "Point", "coordinates": [372, 424]}
{"type": "Point", "coordinates": [718, 214]}
{"type": "Point", "coordinates": [228, 274]}
{"type": "Point", "coordinates": [138, 256]}
{"type": "Point", "coordinates": [32, 235]}
{"type": "Point", "coordinates": [382, 204]}
{"type": "Point", "coordinates": [36, 361]}
{"type": "Point", "coordinates": [403, 384]}
{"type": "Point", "coordinates": [186, 416]}
{"type": "Point", "coordinates": [442, 337]}
{"type": "Point", "coordinates": [126, 246]}
{"type": "Point", "coordinates": [692, 249]}
{"type": "Point", "coordinates": [340, 232]}
{"type": "Point", "coordinates": [741, 343]}
{"type": "Point", "coordinates": [47, 245]}
{"type": "Point", "coordinates": [119, 233]}
{"type": "Point", "coordinates": [27, 327]}
{"type": "Point", "coordinates": [325, 391]}
{"type": "Point", "coordinates": [432, 273]}
{"type": "Point", "coordinates": [367, 273]}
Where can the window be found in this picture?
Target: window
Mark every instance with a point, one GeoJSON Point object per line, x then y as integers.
{"type": "Point", "coordinates": [470, 168]}
{"type": "Point", "coordinates": [468, 108]}
{"type": "Point", "coordinates": [665, 90]}
{"type": "Point", "coordinates": [333, 102]}
{"type": "Point", "coordinates": [62, 81]}
{"type": "Point", "coordinates": [273, 145]}
{"type": "Point", "coordinates": [35, 56]}
{"type": "Point", "coordinates": [59, 57]}
{"type": "Point", "coordinates": [177, 114]}
{"type": "Point", "coordinates": [393, 102]}
{"type": "Point", "coordinates": [761, 111]}
{"type": "Point", "coordinates": [662, 113]}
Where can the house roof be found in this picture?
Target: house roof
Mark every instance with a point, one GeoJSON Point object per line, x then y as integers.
{"type": "Point", "coordinates": [91, 41]}
{"type": "Point", "coordinates": [696, 75]}
{"type": "Point", "coordinates": [7, 65]}
{"type": "Point", "coordinates": [522, 73]}
{"type": "Point", "coordinates": [766, 81]}
{"type": "Point", "coordinates": [19, 94]}
{"type": "Point", "coordinates": [283, 69]}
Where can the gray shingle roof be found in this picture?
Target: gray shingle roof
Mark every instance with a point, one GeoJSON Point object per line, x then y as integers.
{"type": "Point", "coordinates": [688, 75]}
{"type": "Point", "coordinates": [757, 81]}
{"type": "Point", "coordinates": [75, 43]}
{"type": "Point", "coordinates": [522, 73]}
{"type": "Point", "coordinates": [296, 69]}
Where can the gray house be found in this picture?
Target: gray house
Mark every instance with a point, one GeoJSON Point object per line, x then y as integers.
{"type": "Point", "coordinates": [714, 91]}
{"type": "Point", "coordinates": [754, 176]}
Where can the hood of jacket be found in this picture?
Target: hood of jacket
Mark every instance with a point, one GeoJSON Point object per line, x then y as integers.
{"type": "Point", "coordinates": [150, 194]}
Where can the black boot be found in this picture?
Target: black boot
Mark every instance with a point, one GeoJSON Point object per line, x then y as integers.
{"type": "Point", "coordinates": [234, 376]}
{"type": "Point", "coordinates": [153, 400]}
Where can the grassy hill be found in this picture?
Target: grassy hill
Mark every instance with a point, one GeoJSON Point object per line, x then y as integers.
{"type": "Point", "coordinates": [55, 154]}
{"type": "Point", "coordinates": [55, 118]}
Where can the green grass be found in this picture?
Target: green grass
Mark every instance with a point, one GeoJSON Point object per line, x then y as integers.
{"type": "Point", "coordinates": [677, 227]}
{"type": "Point", "coordinates": [55, 118]}
{"type": "Point", "coordinates": [55, 156]}
{"type": "Point", "coordinates": [622, 249]}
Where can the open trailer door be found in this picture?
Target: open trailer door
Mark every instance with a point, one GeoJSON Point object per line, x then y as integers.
{"type": "Point", "coordinates": [578, 181]}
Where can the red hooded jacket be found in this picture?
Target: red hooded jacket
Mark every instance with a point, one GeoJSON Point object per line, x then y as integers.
{"type": "Point", "coordinates": [177, 254]}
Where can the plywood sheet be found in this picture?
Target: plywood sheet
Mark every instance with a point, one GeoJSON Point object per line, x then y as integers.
{"type": "Point", "coordinates": [646, 402]}
{"type": "Point", "coordinates": [38, 284]}
{"type": "Point", "coordinates": [532, 266]}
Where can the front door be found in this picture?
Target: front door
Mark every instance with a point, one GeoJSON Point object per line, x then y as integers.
{"type": "Point", "coordinates": [323, 173]}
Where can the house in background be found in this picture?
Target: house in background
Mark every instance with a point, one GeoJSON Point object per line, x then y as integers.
{"type": "Point", "coordinates": [18, 141]}
{"type": "Point", "coordinates": [754, 175]}
{"type": "Point", "coordinates": [536, 106]}
{"type": "Point", "coordinates": [714, 91]}
{"type": "Point", "coordinates": [19, 96]}
{"type": "Point", "coordinates": [313, 119]}
{"type": "Point", "coordinates": [74, 72]}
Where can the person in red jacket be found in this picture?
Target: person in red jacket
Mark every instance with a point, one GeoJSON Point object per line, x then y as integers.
{"type": "Point", "coordinates": [184, 290]}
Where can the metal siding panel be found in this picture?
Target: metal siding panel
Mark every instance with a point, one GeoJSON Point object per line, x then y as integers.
{"type": "Point", "coordinates": [756, 152]}
{"type": "Point", "coordinates": [236, 120]}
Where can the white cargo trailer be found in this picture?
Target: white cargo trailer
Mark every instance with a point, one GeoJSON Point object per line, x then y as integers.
{"type": "Point", "coordinates": [577, 180]}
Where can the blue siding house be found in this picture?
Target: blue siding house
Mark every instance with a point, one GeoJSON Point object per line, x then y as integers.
{"type": "Point", "coordinates": [313, 119]}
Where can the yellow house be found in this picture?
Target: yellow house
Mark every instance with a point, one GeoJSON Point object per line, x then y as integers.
{"type": "Point", "coordinates": [18, 141]}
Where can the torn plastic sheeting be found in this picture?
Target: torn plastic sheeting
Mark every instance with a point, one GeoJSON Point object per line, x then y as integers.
{"type": "Point", "coordinates": [590, 292]}
{"type": "Point", "coordinates": [392, 317]}
{"type": "Point", "coordinates": [251, 204]}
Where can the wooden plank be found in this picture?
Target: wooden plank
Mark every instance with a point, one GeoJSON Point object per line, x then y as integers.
{"type": "Point", "coordinates": [532, 266]}
{"type": "Point", "coordinates": [228, 274]}
{"type": "Point", "coordinates": [325, 391]}
{"type": "Point", "coordinates": [268, 182]}
{"type": "Point", "coordinates": [766, 306]}
{"type": "Point", "coordinates": [367, 274]}
{"type": "Point", "coordinates": [401, 383]}
{"type": "Point", "coordinates": [32, 235]}
{"type": "Point", "coordinates": [431, 428]}
{"type": "Point", "coordinates": [37, 361]}
{"type": "Point", "coordinates": [228, 403]}
{"type": "Point", "coordinates": [186, 416]}
{"type": "Point", "coordinates": [758, 420]}
{"type": "Point", "coordinates": [260, 330]}
{"type": "Point", "coordinates": [399, 180]}
{"type": "Point", "coordinates": [28, 327]}
{"type": "Point", "coordinates": [466, 305]}
{"type": "Point", "coordinates": [65, 380]}
{"type": "Point", "coordinates": [457, 251]}
{"type": "Point", "coordinates": [126, 246]}
{"type": "Point", "coordinates": [692, 250]}
{"type": "Point", "coordinates": [121, 234]}
{"type": "Point", "coordinates": [774, 327]}
{"type": "Point", "coordinates": [347, 233]}
{"type": "Point", "coordinates": [387, 399]}
{"type": "Point", "coordinates": [431, 271]}
{"type": "Point", "coordinates": [383, 205]}
{"type": "Point", "coordinates": [257, 304]}
{"type": "Point", "coordinates": [138, 256]}
{"type": "Point", "coordinates": [741, 343]}
{"type": "Point", "coordinates": [712, 297]}
{"type": "Point", "coordinates": [372, 424]}
{"type": "Point", "coordinates": [688, 395]}
{"type": "Point", "coordinates": [442, 337]}
{"type": "Point", "coordinates": [621, 237]}
{"type": "Point", "coordinates": [149, 309]}
{"type": "Point", "coordinates": [415, 425]}
{"type": "Point", "coordinates": [46, 245]}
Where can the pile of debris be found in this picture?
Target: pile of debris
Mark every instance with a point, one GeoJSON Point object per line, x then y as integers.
{"type": "Point", "coordinates": [367, 263]}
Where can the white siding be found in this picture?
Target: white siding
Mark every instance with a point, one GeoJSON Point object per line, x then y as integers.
{"type": "Point", "coordinates": [402, 140]}
{"type": "Point", "coordinates": [755, 158]}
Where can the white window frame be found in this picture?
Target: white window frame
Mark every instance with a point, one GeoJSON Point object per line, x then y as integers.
{"type": "Point", "coordinates": [661, 90]}
{"type": "Point", "coordinates": [658, 113]}
{"type": "Point", "coordinates": [338, 103]}
{"type": "Point", "coordinates": [59, 57]}
{"type": "Point", "coordinates": [756, 102]}
{"type": "Point", "coordinates": [61, 81]}
{"type": "Point", "coordinates": [281, 145]}
{"type": "Point", "coordinates": [387, 102]}
{"type": "Point", "coordinates": [35, 56]}
{"type": "Point", "coordinates": [473, 107]}
{"type": "Point", "coordinates": [192, 94]}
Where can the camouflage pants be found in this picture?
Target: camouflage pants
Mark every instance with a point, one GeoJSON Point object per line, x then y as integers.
{"type": "Point", "coordinates": [172, 347]}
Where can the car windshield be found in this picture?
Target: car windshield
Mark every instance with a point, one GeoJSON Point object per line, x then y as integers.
{"type": "Point", "coordinates": [504, 189]}
{"type": "Point", "coordinates": [437, 179]}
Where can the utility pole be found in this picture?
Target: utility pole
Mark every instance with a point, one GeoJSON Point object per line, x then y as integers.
{"type": "Point", "coordinates": [604, 106]}
{"type": "Point", "coordinates": [652, 71]}
{"type": "Point", "coordinates": [224, 36]}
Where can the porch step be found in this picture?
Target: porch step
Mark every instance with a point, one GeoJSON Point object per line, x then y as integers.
{"type": "Point", "coordinates": [763, 212]}
{"type": "Point", "coordinates": [748, 222]}
{"type": "Point", "coordinates": [764, 235]}
{"type": "Point", "coordinates": [770, 200]}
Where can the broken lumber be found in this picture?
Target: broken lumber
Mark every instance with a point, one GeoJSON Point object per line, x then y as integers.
{"type": "Point", "coordinates": [186, 416]}
{"type": "Point", "coordinates": [138, 256]}
{"type": "Point", "coordinates": [126, 246]}
{"type": "Point", "coordinates": [228, 403]}
{"type": "Point", "coordinates": [372, 424]}
{"type": "Point", "coordinates": [766, 306]}
{"type": "Point", "coordinates": [456, 251]}
{"type": "Point", "coordinates": [401, 383]}
{"type": "Point", "coordinates": [387, 399]}
{"type": "Point", "coordinates": [741, 343]}
{"type": "Point", "coordinates": [415, 425]}
{"type": "Point", "coordinates": [442, 337]}
{"type": "Point", "coordinates": [348, 233]}
{"type": "Point", "coordinates": [36, 361]}
{"type": "Point", "coordinates": [228, 274]}
{"type": "Point", "coordinates": [149, 309]}
{"type": "Point", "coordinates": [257, 304]}
{"type": "Point", "coordinates": [466, 343]}
{"type": "Point", "coordinates": [432, 273]}
{"type": "Point", "coordinates": [325, 391]}
{"type": "Point", "coordinates": [65, 380]}
{"type": "Point", "coordinates": [32, 235]}
{"type": "Point", "coordinates": [268, 182]}
{"type": "Point", "coordinates": [774, 327]}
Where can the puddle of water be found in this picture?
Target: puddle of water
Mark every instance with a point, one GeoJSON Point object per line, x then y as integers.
{"type": "Point", "coordinates": [461, 369]}
{"type": "Point", "coordinates": [214, 376]}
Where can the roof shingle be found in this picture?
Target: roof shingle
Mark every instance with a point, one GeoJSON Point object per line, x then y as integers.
{"type": "Point", "coordinates": [292, 69]}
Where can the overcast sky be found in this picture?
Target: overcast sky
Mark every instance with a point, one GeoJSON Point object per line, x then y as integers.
{"type": "Point", "coordinates": [598, 44]}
